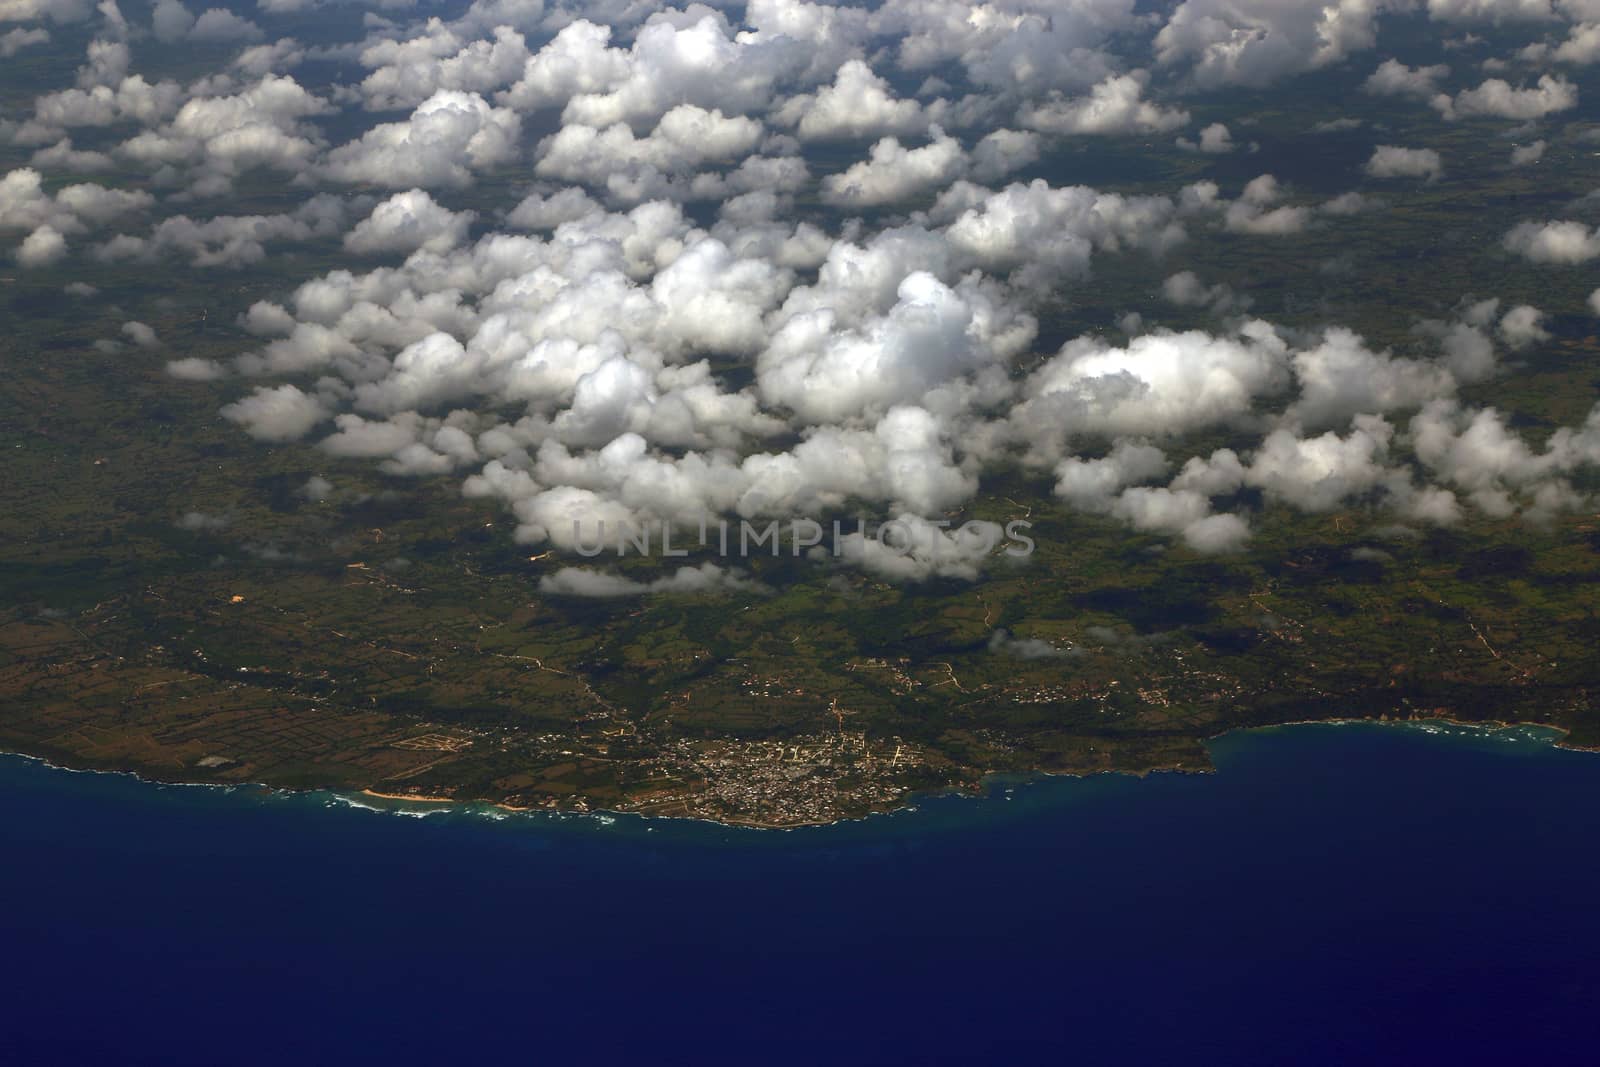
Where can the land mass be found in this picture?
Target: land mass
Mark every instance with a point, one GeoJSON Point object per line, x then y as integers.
{"type": "Point", "coordinates": [831, 698]}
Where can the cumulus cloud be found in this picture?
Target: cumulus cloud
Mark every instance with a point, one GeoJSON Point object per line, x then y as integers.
{"type": "Point", "coordinates": [894, 173]}
{"type": "Point", "coordinates": [1115, 106]}
{"type": "Point", "coordinates": [229, 241]}
{"type": "Point", "coordinates": [694, 59]}
{"type": "Point", "coordinates": [99, 103]}
{"type": "Point", "coordinates": [200, 522]}
{"type": "Point", "coordinates": [1158, 385]}
{"type": "Point", "coordinates": [1492, 11]}
{"type": "Point", "coordinates": [634, 169]}
{"type": "Point", "coordinates": [1256, 42]}
{"type": "Point", "coordinates": [278, 413]}
{"type": "Point", "coordinates": [1093, 484]}
{"type": "Point", "coordinates": [14, 41]}
{"type": "Point", "coordinates": [1039, 235]}
{"type": "Point", "coordinates": [857, 105]}
{"type": "Point", "coordinates": [761, 261]}
{"type": "Point", "coordinates": [1478, 453]}
{"type": "Point", "coordinates": [450, 138]}
{"type": "Point", "coordinates": [1391, 161]}
{"type": "Point", "coordinates": [220, 136]}
{"type": "Point", "coordinates": [170, 21]}
{"type": "Point", "coordinates": [1553, 242]}
{"type": "Point", "coordinates": [1321, 473]}
{"type": "Point", "coordinates": [910, 548]}
{"type": "Point", "coordinates": [1497, 98]}
{"type": "Point", "coordinates": [1111, 486]}
{"type": "Point", "coordinates": [407, 222]}
{"type": "Point", "coordinates": [541, 211]}
{"type": "Point", "coordinates": [1393, 78]}
{"type": "Point", "coordinates": [74, 209]}
{"type": "Point", "coordinates": [62, 156]}
{"type": "Point", "coordinates": [44, 247]}
{"type": "Point", "coordinates": [141, 335]}
{"type": "Point", "coordinates": [1582, 46]}
{"type": "Point", "coordinates": [932, 335]}
{"type": "Point", "coordinates": [195, 369]}
{"type": "Point", "coordinates": [63, 11]}
{"type": "Point", "coordinates": [1527, 154]}
{"type": "Point", "coordinates": [1001, 642]}
{"type": "Point", "coordinates": [1522, 326]}
{"type": "Point", "coordinates": [316, 489]}
{"type": "Point", "coordinates": [406, 73]}
{"type": "Point", "coordinates": [1340, 377]}
{"type": "Point", "coordinates": [1185, 289]}
{"type": "Point", "coordinates": [1214, 140]}
{"type": "Point", "coordinates": [1259, 210]}
{"type": "Point", "coordinates": [706, 579]}
{"type": "Point", "coordinates": [218, 25]}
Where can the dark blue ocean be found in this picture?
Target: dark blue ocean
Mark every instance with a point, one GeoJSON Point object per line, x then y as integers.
{"type": "Point", "coordinates": [1355, 894]}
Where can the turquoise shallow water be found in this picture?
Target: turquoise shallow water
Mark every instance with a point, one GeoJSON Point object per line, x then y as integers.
{"type": "Point", "coordinates": [1332, 894]}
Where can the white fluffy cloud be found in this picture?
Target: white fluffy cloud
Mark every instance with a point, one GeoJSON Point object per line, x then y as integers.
{"type": "Point", "coordinates": [1185, 289]}
{"type": "Point", "coordinates": [1497, 98]}
{"type": "Point", "coordinates": [447, 141]}
{"type": "Point", "coordinates": [1554, 242]}
{"type": "Point", "coordinates": [759, 260]}
{"type": "Point", "coordinates": [1256, 42]}
{"type": "Point", "coordinates": [220, 136]}
{"type": "Point", "coordinates": [64, 11]}
{"type": "Point", "coordinates": [933, 335]}
{"type": "Point", "coordinates": [1215, 140]}
{"type": "Point", "coordinates": [14, 41]}
{"type": "Point", "coordinates": [1493, 11]}
{"type": "Point", "coordinates": [1340, 377]}
{"type": "Point", "coordinates": [280, 413]}
{"type": "Point", "coordinates": [911, 548]}
{"type": "Point", "coordinates": [1392, 161]}
{"type": "Point", "coordinates": [226, 240]}
{"type": "Point", "coordinates": [1582, 46]}
{"type": "Point", "coordinates": [1115, 106]}
{"type": "Point", "coordinates": [707, 578]}
{"type": "Point", "coordinates": [45, 221]}
{"type": "Point", "coordinates": [44, 247]}
{"type": "Point", "coordinates": [633, 169]}
{"type": "Point", "coordinates": [1321, 473]}
{"type": "Point", "coordinates": [857, 105]}
{"type": "Point", "coordinates": [692, 59]}
{"type": "Point", "coordinates": [1522, 326]}
{"type": "Point", "coordinates": [170, 20]}
{"type": "Point", "coordinates": [1259, 210]}
{"type": "Point", "coordinates": [1111, 486]}
{"type": "Point", "coordinates": [407, 222]}
{"type": "Point", "coordinates": [1474, 450]}
{"type": "Point", "coordinates": [894, 173]}
{"type": "Point", "coordinates": [1159, 384]}
{"type": "Point", "coordinates": [141, 335]}
{"type": "Point", "coordinates": [219, 25]}
{"type": "Point", "coordinates": [1394, 78]}
{"type": "Point", "coordinates": [406, 73]}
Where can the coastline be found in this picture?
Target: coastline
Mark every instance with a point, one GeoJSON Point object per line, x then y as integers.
{"type": "Point", "coordinates": [1480, 725]}
{"type": "Point", "coordinates": [975, 791]}
{"type": "Point", "coordinates": [408, 796]}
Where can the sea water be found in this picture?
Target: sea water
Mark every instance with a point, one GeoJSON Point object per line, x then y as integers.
{"type": "Point", "coordinates": [1332, 894]}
